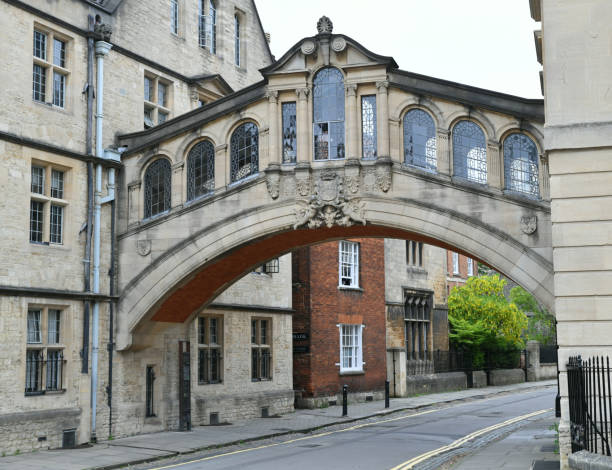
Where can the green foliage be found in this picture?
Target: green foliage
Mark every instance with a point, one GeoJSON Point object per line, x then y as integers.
{"type": "Point", "coordinates": [481, 302]}
{"type": "Point", "coordinates": [541, 324]}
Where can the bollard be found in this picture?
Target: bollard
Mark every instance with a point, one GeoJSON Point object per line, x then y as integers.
{"type": "Point", "coordinates": [345, 400]}
{"type": "Point", "coordinates": [386, 394]}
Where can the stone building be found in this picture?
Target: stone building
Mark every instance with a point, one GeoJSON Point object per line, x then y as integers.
{"type": "Point", "coordinates": [573, 45]}
{"type": "Point", "coordinates": [161, 59]}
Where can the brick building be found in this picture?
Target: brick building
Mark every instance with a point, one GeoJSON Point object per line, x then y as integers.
{"type": "Point", "coordinates": [460, 268]}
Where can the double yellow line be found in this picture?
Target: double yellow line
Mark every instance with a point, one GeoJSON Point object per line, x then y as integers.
{"type": "Point", "coordinates": [313, 436]}
{"type": "Point", "coordinates": [459, 442]}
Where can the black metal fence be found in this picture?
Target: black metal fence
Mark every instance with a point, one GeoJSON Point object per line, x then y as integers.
{"type": "Point", "coordinates": [548, 354]}
{"type": "Point", "coordinates": [44, 374]}
{"type": "Point", "coordinates": [590, 404]}
{"type": "Point", "coordinates": [452, 361]}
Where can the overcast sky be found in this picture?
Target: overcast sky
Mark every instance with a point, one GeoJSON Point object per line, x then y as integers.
{"type": "Point", "coordinates": [484, 43]}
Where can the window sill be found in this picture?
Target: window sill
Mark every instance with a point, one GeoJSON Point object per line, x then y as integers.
{"type": "Point", "coordinates": [211, 383]}
{"type": "Point", "coordinates": [45, 392]}
{"type": "Point", "coordinates": [261, 380]}
{"type": "Point", "coordinates": [350, 288]}
{"type": "Point", "coordinates": [352, 372]}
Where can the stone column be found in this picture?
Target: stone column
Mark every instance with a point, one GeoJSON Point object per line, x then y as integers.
{"type": "Point", "coordinates": [177, 185]}
{"type": "Point", "coordinates": [274, 156]}
{"type": "Point", "coordinates": [221, 166]}
{"type": "Point", "coordinates": [351, 119]}
{"type": "Point", "coordinates": [383, 118]}
{"type": "Point", "coordinates": [303, 131]}
{"type": "Point", "coordinates": [544, 177]}
{"type": "Point", "coordinates": [443, 152]}
{"type": "Point", "coordinates": [533, 358]}
{"type": "Point", "coordinates": [494, 174]}
{"type": "Point", "coordinates": [134, 212]}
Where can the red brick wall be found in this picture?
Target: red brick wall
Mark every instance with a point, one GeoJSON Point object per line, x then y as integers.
{"type": "Point", "coordinates": [327, 306]}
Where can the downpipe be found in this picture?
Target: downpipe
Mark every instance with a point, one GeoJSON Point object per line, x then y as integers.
{"type": "Point", "coordinates": [102, 48]}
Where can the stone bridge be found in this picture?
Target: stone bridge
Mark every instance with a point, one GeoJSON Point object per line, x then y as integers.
{"type": "Point", "coordinates": [292, 161]}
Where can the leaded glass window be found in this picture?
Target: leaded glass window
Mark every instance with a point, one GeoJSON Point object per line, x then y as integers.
{"type": "Point", "coordinates": [200, 170]}
{"type": "Point", "coordinates": [368, 126]}
{"type": "Point", "coordinates": [470, 152]}
{"type": "Point", "coordinates": [201, 24]}
{"type": "Point", "coordinates": [521, 164]}
{"type": "Point", "coordinates": [56, 225]}
{"type": "Point", "coordinates": [59, 52]}
{"type": "Point", "coordinates": [37, 184]}
{"type": "Point", "coordinates": [59, 89]}
{"type": "Point", "coordinates": [420, 140]}
{"type": "Point", "coordinates": [39, 79]}
{"type": "Point", "coordinates": [212, 15]}
{"type": "Point", "coordinates": [328, 126]}
{"type": "Point", "coordinates": [34, 326]}
{"type": "Point", "coordinates": [237, 40]}
{"type": "Point", "coordinates": [289, 133]}
{"type": "Point", "coordinates": [174, 13]}
{"type": "Point", "coordinates": [244, 152]}
{"type": "Point", "coordinates": [36, 221]}
{"type": "Point", "coordinates": [157, 187]}
{"type": "Point", "coordinates": [57, 184]}
{"type": "Point", "coordinates": [40, 45]}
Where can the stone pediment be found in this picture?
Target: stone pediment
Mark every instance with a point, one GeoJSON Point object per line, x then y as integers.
{"type": "Point", "coordinates": [327, 48]}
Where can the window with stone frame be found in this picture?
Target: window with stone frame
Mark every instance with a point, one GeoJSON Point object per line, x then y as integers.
{"type": "Point", "coordinates": [207, 25]}
{"type": "Point", "coordinates": [200, 170]}
{"type": "Point", "coordinates": [261, 349]}
{"type": "Point", "coordinates": [417, 317]}
{"type": "Point", "coordinates": [210, 349]}
{"type": "Point", "coordinates": [237, 41]}
{"type": "Point", "coordinates": [369, 141]}
{"type": "Point", "coordinates": [521, 165]}
{"type": "Point", "coordinates": [50, 73]}
{"type": "Point", "coordinates": [351, 349]}
{"type": "Point", "coordinates": [47, 203]}
{"type": "Point", "coordinates": [420, 140]}
{"type": "Point", "coordinates": [157, 188]}
{"type": "Point", "coordinates": [244, 152]}
{"type": "Point", "coordinates": [328, 114]}
{"type": "Point", "coordinates": [289, 132]}
{"type": "Point", "coordinates": [469, 152]}
{"type": "Point", "coordinates": [157, 100]}
{"type": "Point", "coordinates": [414, 253]}
{"type": "Point", "coordinates": [348, 263]}
{"type": "Point", "coordinates": [174, 16]}
{"type": "Point", "coordinates": [45, 350]}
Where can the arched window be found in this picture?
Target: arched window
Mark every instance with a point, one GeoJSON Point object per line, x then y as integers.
{"type": "Point", "coordinates": [420, 140]}
{"type": "Point", "coordinates": [157, 188]}
{"type": "Point", "coordinates": [200, 170]}
{"type": "Point", "coordinates": [521, 164]}
{"type": "Point", "coordinates": [328, 125]}
{"type": "Point", "coordinates": [470, 152]}
{"type": "Point", "coordinates": [245, 151]}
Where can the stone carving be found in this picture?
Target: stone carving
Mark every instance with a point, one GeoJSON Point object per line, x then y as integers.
{"type": "Point", "coordinates": [383, 180]}
{"type": "Point", "coordinates": [338, 44]}
{"type": "Point", "coordinates": [273, 185]}
{"type": "Point", "coordinates": [308, 47]}
{"type": "Point", "coordinates": [303, 186]}
{"type": "Point", "coordinates": [369, 180]}
{"type": "Point", "coordinates": [329, 206]}
{"type": "Point", "coordinates": [324, 25]}
{"type": "Point", "coordinates": [529, 224]}
{"type": "Point", "coordinates": [103, 31]}
{"type": "Point", "coordinates": [143, 247]}
{"type": "Point", "coordinates": [352, 183]}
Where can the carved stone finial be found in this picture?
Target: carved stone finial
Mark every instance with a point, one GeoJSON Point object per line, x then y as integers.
{"type": "Point", "coordinates": [324, 25]}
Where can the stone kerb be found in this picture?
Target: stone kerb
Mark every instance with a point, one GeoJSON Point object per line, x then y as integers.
{"type": "Point", "coordinates": [322, 199]}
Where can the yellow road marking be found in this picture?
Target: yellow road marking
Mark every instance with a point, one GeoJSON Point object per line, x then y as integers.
{"type": "Point", "coordinates": [314, 436]}
{"type": "Point", "coordinates": [420, 458]}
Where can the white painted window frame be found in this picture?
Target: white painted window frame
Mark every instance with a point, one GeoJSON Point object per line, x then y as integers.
{"type": "Point", "coordinates": [470, 267]}
{"type": "Point", "coordinates": [357, 348]}
{"type": "Point", "coordinates": [352, 264]}
{"type": "Point", "coordinates": [455, 263]}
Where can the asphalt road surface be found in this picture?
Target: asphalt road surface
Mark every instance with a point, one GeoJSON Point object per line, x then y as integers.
{"type": "Point", "coordinates": [399, 441]}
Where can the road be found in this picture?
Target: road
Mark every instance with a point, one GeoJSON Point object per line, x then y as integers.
{"type": "Point", "coordinates": [400, 441]}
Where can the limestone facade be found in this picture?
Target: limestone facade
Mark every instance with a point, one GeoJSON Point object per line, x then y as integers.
{"type": "Point", "coordinates": [573, 46]}
{"type": "Point", "coordinates": [48, 133]}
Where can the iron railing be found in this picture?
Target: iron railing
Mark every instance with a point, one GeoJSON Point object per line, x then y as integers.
{"type": "Point", "coordinates": [590, 404]}
{"type": "Point", "coordinates": [548, 354]}
{"type": "Point", "coordinates": [44, 374]}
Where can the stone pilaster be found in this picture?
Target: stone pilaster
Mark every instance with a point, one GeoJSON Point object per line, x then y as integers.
{"type": "Point", "coordinates": [544, 177]}
{"type": "Point", "coordinates": [274, 155]}
{"type": "Point", "coordinates": [303, 130]}
{"type": "Point", "coordinates": [222, 166]}
{"type": "Point", "coordinates": [494, 167]}
{"type": "Point", "coordinates": [443, 152]}
{"type": "Point", "coordinates": [383, 118]}
{"type": "Point", "coordinates": [134, 203]}
{"type": "Point", "coordinates": [177, 184]}
{"type": "Point", "coordinates": [352, 120]}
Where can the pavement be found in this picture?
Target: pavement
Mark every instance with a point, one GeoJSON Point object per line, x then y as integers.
{"type": "Point", "coordinates": [107, 455]}
{"type": "Point", "coordinates": [532, 447]}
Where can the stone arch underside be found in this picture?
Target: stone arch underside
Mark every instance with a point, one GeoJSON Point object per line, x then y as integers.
{"type": "Point", "coordinates": [195, 270]}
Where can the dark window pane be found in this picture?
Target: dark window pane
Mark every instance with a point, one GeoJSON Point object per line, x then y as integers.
{"type": "Point", "coordinates": [521, 164]}
{"type": "Point", "coordinates": [420, 140]}
{"type": "Point", "coordinates": [200, 170]}
{"type": "Point", "coordinates": [36, 221]}
{"type": "Point", "coordinates": [369, 140]}
{"type": "Point", "coordinates": [244, 152]}
{"type": "Point", "coordinates": [157, 188]}
{"type": "Point", "coordinates": [289, 133]}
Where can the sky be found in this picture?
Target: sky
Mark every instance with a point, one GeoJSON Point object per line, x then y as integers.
{"type": "Point", "coordinates": [483, 43]}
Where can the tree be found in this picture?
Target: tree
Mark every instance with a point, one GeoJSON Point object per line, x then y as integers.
{"type": "Point", "coordinates": [482, 319]}
{"type": "Point", "coordinates": [541, 325]}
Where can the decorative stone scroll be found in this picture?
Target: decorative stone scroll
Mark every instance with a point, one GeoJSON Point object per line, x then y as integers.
{"type": "Point", "coordinates": [529, 224]}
